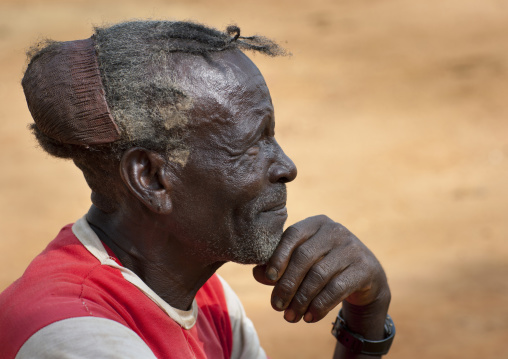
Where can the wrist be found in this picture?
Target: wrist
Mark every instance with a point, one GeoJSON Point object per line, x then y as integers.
{"type": "Point", "coordinates": [368, 320]}
{"type": "Point", "coordinates": [354, 345]}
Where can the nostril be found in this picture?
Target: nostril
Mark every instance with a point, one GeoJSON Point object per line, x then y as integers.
{"type": "Point", "coordinates": [283, 169]}
{"type": "Point", "coordinates": [284, 180]}
{"type": "Point", "coordinates": [285, 173]}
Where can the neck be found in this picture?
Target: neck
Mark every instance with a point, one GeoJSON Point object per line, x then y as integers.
{"type": "Point", "coordinates": [162, 261]}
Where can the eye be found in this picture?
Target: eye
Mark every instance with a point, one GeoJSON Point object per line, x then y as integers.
{"type": "Point", "coordinates": [253, 151]}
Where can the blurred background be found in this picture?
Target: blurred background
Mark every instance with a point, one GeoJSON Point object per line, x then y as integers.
{"type": "Point", "coordinates": [394, 112]}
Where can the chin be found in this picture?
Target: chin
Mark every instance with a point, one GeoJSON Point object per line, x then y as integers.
{"type": "Point", "coordinates": [258, 247]}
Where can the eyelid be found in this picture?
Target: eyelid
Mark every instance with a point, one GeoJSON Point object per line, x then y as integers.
{"type": "Point", "coordinates": [265, 136]}
{"type": "Point", "coordinates": [264, 133]}
{"type": "Point", "coordinates": [253, 150]}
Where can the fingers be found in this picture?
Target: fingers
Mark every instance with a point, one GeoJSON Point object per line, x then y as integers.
{"type": "Point", "coordinates": [320, 270]}
{"type": "Point", "coordinates": [316, 279]}
{"type": "Point", "coordinates": [291, 238]}
{"type": "Point", "coordinates": [305, 262]}
{"type": "Point", "coordinates": [315, 299]}
{"type": "Point", "coordinates": [317, 265]}
{"type": "Point", "coordinates": [259, 273]}
{"type": "Point", "coordinates": [339, 288]}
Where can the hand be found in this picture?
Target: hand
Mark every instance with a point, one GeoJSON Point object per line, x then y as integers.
{"type": "Point", "coordinates": [317, 265]}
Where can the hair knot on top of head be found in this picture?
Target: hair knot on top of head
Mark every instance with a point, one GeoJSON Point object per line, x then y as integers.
{"type": "Point", "coordinates": [233, 30]}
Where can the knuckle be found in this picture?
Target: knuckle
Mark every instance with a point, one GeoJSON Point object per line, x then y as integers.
{"type": "Point", "coordinates": [300, 301]}
{"type": "Point", "coordinates": [284, 288]}
{"type": "Point", "coordinates": [342, 231]}
{"type": "Point", "coordinates": [322, 304]}
{"type": "Point", "coordinates": [337, 289]}
{"type": "Point", "coordinates": [364, 261]}
{"type": "Point", "coordinates": [319, 306]}
{"type": "Point", "coordinates": [318, 273]}
{"type": "Point", "coordinates": [322, 218]}
{"type": "Point", "coordinates": [303, 254]}
{"type": "Point", "coordinates": [292, 233]}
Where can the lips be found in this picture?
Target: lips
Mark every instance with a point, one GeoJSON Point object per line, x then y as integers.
{"type": "Point", "coordinates": [275, 202]}
{"type": "Point", "coordinates": [277, 210]}
{"type": "Point", "coordinates": [277, 207]}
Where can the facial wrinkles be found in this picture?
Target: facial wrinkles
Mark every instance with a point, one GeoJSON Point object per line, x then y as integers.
{"type": "Point", "coordinates": [254, 235]}
{"type": "Point", "coordinates": [246, 127]}
{"type": "Point", "coordinates": [250, 136]}
{"type": "Point", "coordinates": [234, 107]}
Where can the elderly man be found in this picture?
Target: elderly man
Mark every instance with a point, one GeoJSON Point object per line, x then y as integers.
{"type": "Point", "coordinates": [173, 128]}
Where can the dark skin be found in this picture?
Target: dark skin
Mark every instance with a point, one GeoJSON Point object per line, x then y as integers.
{"type": "Point", "coordinates": [176, 225]}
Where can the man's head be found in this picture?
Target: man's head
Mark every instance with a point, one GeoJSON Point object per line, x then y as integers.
{"type": "Point", "coordinates": [186, 93]}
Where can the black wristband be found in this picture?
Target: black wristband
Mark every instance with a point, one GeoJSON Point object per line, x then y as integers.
{"type": "Point", "coordinates": [357, 343]}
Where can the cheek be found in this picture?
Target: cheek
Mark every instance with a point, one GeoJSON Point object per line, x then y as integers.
{"type": "Point", "coordinates": [226, 182]}
{"type": "Point", "coordinates": [248, 177]}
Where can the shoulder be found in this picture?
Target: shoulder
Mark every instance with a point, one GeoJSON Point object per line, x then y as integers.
{"type": "Point", "coordinates": [59, 283]}
{"type": "Point", "coordinates": [85, 337]}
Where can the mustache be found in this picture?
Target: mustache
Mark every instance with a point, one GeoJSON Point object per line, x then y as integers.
{"type": "Point", "coordinates": [276, 197]}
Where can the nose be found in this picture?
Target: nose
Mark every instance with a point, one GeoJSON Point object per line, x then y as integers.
{"type": "Point", "coordinates": [283, 169]}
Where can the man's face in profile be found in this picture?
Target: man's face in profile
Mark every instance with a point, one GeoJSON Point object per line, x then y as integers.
{"type": "Point", "coordinates": [230, 197]}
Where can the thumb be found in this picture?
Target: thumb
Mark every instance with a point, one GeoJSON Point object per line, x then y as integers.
{"type": "Point", "coordinates": [259, 273]}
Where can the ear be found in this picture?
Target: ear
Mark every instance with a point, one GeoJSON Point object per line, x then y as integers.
{"type": "Point", "coordinates": [145, 174]}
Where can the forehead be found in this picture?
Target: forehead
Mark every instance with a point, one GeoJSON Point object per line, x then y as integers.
{"type": "Point", "coordinates": [219, 71]}
{"type": "Point", "coordinates": [225, 87]}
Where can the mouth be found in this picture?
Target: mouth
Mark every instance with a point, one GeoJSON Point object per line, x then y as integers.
{"type": "Point", "coordinates": [279, 208]}
{"type": "Point", "coordinates": [275, 203]}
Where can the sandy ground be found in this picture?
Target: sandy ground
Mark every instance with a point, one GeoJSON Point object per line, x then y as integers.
{"type": "Point", "coordinates": [395, 114]}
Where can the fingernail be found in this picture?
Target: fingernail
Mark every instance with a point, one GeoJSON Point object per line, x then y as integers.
{"type": "Point", "coordinates": [271, 273]}
{"type": "Point", "coordinates": [289, 315]}
{"type": "Point", "coordinates": [308, 317]}
{"type": "Point", "coordinates": [279, 303]}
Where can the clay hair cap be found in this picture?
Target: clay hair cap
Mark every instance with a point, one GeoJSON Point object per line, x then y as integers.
{"type": "Point", "coordinates": [65, 95]}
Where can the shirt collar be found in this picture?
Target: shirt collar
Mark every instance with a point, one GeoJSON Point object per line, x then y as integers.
{"type": "Point", "coordinates": [93, 244]}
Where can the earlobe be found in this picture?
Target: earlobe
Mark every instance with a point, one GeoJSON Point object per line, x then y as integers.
{"type": "Point", "coordinates": [147, 177]}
